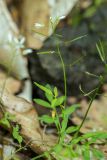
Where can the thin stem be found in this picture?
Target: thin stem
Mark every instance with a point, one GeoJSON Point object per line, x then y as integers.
{"type": "Point", "coordinates": [90, 104]}
{"type": "Point", "coordinates": [37, 157]}
{"type": "Point", "coordinates": [57, 125]}
{"type": "Point", "coordinates": [64, 71]}
{"type": "Point", "coordinates": [106, 67]}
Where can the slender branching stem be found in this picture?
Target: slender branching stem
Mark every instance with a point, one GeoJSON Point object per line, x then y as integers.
{"type": "Point", "coordinates": [64, 71]}
{"type": "Point", "coordinates": [85, 116]}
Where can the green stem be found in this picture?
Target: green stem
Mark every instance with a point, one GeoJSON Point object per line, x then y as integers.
{"type": "Point", "coordinates": [57, 125]}
{"type": "Point", "coordinates": [90, 103]}
{"type": "Point", "coordinates": [64, 71]}
{"type": "Point", "coordinates": [106, 68]}
{"type": "Point", "coordinates": [37, 157]}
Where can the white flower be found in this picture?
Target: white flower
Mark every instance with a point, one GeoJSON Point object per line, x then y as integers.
{"type": "Point", "coordinates": [50, 18]}
{"type": "Point", "coordinates": [22, 40]}
{"type": "Point", "coordinates": [52, 52]}
{"type": "Point", "coordinates": [19, 42]}
{"type": "Point", "coordinates": [39, 25]}
{"type": "Point", "coordinates": [10, 37]}
{"type": "Point", "coordinates": [61, 17]}
{"type": "Point", "coordinates": [27, 51]}
{"type": "Point", "coordinates": [16, 42]}
{"type": "Point", "coordinates": [57, 18]}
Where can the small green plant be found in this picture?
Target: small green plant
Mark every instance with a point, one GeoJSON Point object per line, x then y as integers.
{"type": "Point", "coordinates": [53, 102]}
{"type": "Point", "coordinates": [6, 121]}
{"type": "Point", "coordinates": [16, 134]}
{"type": "Point", "coordinates": [68, 147]}
{"type": "Point", "coordinates": [78, 145]}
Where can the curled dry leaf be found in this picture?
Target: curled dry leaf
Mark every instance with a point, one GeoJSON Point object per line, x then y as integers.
{"type": "Point", "coordinates": [13, 85]}
{"type": "Point", "coordinates": [10, 52]}
{"type": "Point", "coordinates": [27, 117]}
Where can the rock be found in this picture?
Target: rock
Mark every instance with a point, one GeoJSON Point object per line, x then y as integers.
{"type": "Point", "coordinates": [47, 68]}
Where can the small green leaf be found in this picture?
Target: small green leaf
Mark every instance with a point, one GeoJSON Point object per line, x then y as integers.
{"type": "Point", "coordinates": [6, 119]}
{"type": "Point", "coordinates": [76, 140]}
{"type": "Point", "coordinates": [64, 124]}
{"type": "Point", "coordinates": [48, 86]}
{"type": "Point", "coordinates": [9, 116]}
{"type": "Point", "coordinates": [90, 12]}
{"type": "Point", "coordinates": [86, 153]}
{"type": "Point", "coordinates": [95, 135]}
{"type": "Point", "coordinates": [58, 101]}
{"type": "Point", "coordinates": [5, 122]}
{"type": "Point", "coordinates": [68, 153]}
{"type": "Point", "coordinates": [71, 109]}
{"type": "Point", "coordinates": [55, 91]}
{"type": "Point", "coordinates": [98, 154]}
{"type": "Point", "coordinates": [53, 103]}
{"type": "Point", "coordinates": [101, 52]}
{"type": "Point", "coordinates": [49, 96]}
{"type": "Point", "coordinates": [58, 148]}
{"type": "Point", "coordinates": [47, 119]}
{"type": "Point", "coordinates": [16, 134]}
{"type": "Point", "coordinates": [42, 103]}
{"type": "Point", "coordinates": [45, 89]}
{"type": "Point", "coordinates": [71, 129]}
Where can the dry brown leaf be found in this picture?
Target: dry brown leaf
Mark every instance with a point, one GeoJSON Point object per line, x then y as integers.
{"type": "Point", "coordinates": [26, 116]}
{"type": "Point", "coordinates": [40, 11]}
{"type": "Point", "coordinates": [13, 85]}
{"type": "Point", "coordinates": [11, 57]}
{"type": "Point", "coordinates": [32, 12]}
